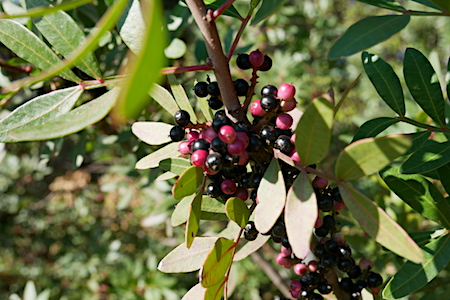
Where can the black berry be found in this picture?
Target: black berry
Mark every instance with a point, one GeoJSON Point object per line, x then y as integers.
{"type": "Point", "coordinates": [176, 133]}
{"type": "Point", "coordinates": [215, 103]}
{"type": "Point", "coordinates": [241, 87]}
{"type": "Point", "coordinates": [201, 89]}
{"type": "Point", "coordinates": [243, 61]}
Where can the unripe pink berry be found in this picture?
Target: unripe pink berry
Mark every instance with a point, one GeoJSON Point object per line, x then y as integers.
{"type": "Point", "coordinates": [236, 148]}
{"type": "Point", "coordinates": [288, 264]}
{"type": "Point", "coordinates": [209, 134]}
{"type": "Point", "coordinates": [284, 121]}
{"type": "Point", "coordinates": [300, 269]}
{"type": "Point", "coordinates": [192, 136]}
{"type": "Point", "coordinates": [319, 222]}
{"type": "Point", "coordinates": [320, 182]}
{"type": "Point", "coordinates": [295, 295]}
{"type": "Point", "coordinates": [198, 158]}
{"type": "Point", "coordinates": [286, 251]}
{"type": "Point", "coordinates": [288, 105]}
{"type": "Point", "coordinates": [286, 92]}
{"type": "Point", "coordinates": [296, 285]}
{"type": "Point", "coordinates": [339, 205]}
{"type": "Point", "coordinates": [243, 137]}
{"type": "Point", "coordinates": [228, 187]}
{"type": "Point", "coordinates": [281, 259]}
{"type": "Point", "coordinates": [243, 158]}
{"type": "Point", "coordinates": [256, 58]}
{"type": "Point", "coordinates": [227, 134]}
{"type": "Point", "coordinates": [312, 266]}
{"type": "Point", "coordinates": [184, 148]}
{"type": "Point", "coordinates": [295, 157]}
{"type": "Point", "coordinates": [241, 193]}
{"type": "Point", "coordinates": [256, 109]}
{"type": "Point", "coordinates": [338, 237]}
{"type": "Point", "coordinates": [293, 138]}
{"type": "Point", "coordinates": [365, 264]}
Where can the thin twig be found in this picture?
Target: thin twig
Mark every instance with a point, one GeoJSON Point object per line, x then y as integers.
{"type": "Point", "coordinates": [179, 70]}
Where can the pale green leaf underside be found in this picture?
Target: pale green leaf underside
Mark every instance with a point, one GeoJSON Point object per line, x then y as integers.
{"type": "Point", "coordinates": [131, 26]}
{"type": "Point", "coordinates": [152, 160]}
{"type": "Point", "coordinates": [152, 133]}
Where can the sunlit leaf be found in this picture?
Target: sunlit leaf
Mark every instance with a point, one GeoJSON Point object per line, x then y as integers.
{"type": "Point", "coordinates": [300, 215]}
{"type": "Point", "coordinates": [71, 122]}
{"type": "Point", "coordinates": [215, 292]}
{"type": "Point", "coordinates": [419, 139]}
{"type": "Point", "coordinates": [367, 33]}
{"type": "Point", "coordinates": [379, 225]}
{"type": "Point", "coordinates": [164, 98]}
{"type": "Point", "coordinates": [370, 155]}
{"type": "Point", "coordinates": [39, 110]}
{"type": "Point", "coordinates": [427, 158]}
{"type": "Point", "coordinates": [180, 214]}
{"type": "Point", "coordinates": [197, 292]}
{"type": "Point", "coordinates": [212, 209]}
{"type": "Point", "coordinates": [183, 259]}
{"type": "Point", "coordinates": [385, 81]}
{"type": "Point", "coordinates": [313, 132]}
{"type": "Point", "coordinates": [181, 98]}
{"type": "Point", "coordinates": [175, 165]}
{"type": "Point", "coordinates": [152, 160]}
{"type": "Point", "coordinates": [131, 26]}
{"type": "Point", "coordinates": [217, 262]}
{"type": "Point", "coordinates": [373, 127]}
{"type": "Point", "coordinates": [152, 133]}
{"type": "Point", "coordinates": [268, 8]}
{"type": "Point", "coordinates": [193, 221]}
{"type": "Point", "coordinates": [271, 198]}
{"type": "Point", "coordinates": [188, 182]}
{"type": "Point", "coordinates": [412, 276]}
{"type": "Point", "coordinates": [250, 247]}
{"type": "Point", "coordinates": [237, 211]}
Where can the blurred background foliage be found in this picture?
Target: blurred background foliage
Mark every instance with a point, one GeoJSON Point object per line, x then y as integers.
{"type": "Point", "coordinates": [77, 219]}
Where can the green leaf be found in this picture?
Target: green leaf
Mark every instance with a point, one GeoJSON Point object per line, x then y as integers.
{"type": "Point", "coordinates": [164, 98]}
{"type": "Point", "coordinates": [181, 98]}
{"type": "Point", "coordinates": [180, 214]}
{"type": "Point", "coordinates": [176, 49]}
{"type": "Point", "coordinates": [373, 127]}
{"type": "Point", "coordinates": [420, 194]}
{"type": "Point", "coordinates": [143, 69]}
{"type": "Point", "coordinates": [443, 4]}
{"type": "Point", "coordinates": [367, 33]}
{"type": "Point", "coordinates": [429, 157]}
{"type": "Point", "coordinates": [64, 34]}
{"type": "Point", "coordinates": [152, 133]}
{"type": "Point", "coordinates": [418, 140]}
{"type": "Point", "coordinates": [237, 211]}
{"type": "Point", "coordinates": [412, 276]}
{"type": "Point", "coordinates": [215, 292]}
{"type": "Point", "coordinates": [370, 155]}
{"type": "Point", "coordinates": [444, 176]}
{"type": "Point", "coordinates": [268, 8]}
{"type": "Point", "coordinates": [29, 292]}
{"type": "Point", "coordinates": [217, 262]}
{"type": "Point", "coordinates": [206, 110]}
{"type": "Point", "coordinates": [71, 122]}
{"type": "Point", "coordinates": [152, 160]}
{"type": "Point", "coordinates": [250, 247]}
{"type": "Point", "coordinates": [213, 209]}
{"type": "Point", "coordinates": [193, 221]}
{"type": "Point", "coordinates": [428, 3]}
{"type": "Point", "coordinates": [271, 198]}
{"type": "Point", "coordinates": [183, 259]}
{"type": "Point", "coordinates": [379, 225]}
{"type": "Point", "coordinates": [387, 4]}
{"type": "Point", "coordinates": [175, 165]}
{"type": "Point", "coordinates": [188, 182]}
{"type": "Point", "coordinates": [131, 26]}
{"type": "Point", "coordinates": [230, 11]}
{"type": "Point", "coordinates": [447, 78]}
{"type": "Point", "coordinates": [385, 81]}
{"type": "Point", "coordinates": [300, 215]}
{"type": "Point", "coordinates": [39, 110]}
{"type": "Point", "coordinates": [423, 83]}
{"type": "Point", "coordinates": [313, 132]}
{"type": "Point", "coordinates": [197, 292]}
{"type": "Point", "coordinates": [28, 46]}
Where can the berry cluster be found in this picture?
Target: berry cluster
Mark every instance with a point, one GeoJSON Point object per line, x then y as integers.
{"type": "Point", "coordinates": [204, 89]}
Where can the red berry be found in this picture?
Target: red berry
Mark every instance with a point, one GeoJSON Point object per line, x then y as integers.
{"type": "Point", "coordinates": [300, 269]}
{"type": "Point", "coordinates": [209, 134]}
{"type": "Point", "coordinates": [236, 148]}
{"type": "Point", "coordinates": [184, 148]}
{"type": "Point", "coordinates": [312, 266]}
{"type": "Point", "coordinates": [295, 157]}
{"type": "Point", "coordinates": [228, 186]}
{"type": "Point", "coordinates": [284, 121]}
{"type": "Point", "coordinates": [242, 193]}
{"type": "Point", "coordinates": [227, 134]}
{"type": "Point", "coordinates": [295, 295]}
{"type": "Point", "coordinates": [243, 137]}
{"type": "Point", "coordinates": [192, 136]}
{"type": "Point", "coordinates": [338, 205]}
{"type": "Point", "coordinates": [319, 222]}
{"type": "Point", "coordinates": [286, 92]}
{"type": "Point", "coordinates": [320, 182]}
{"type": "Point", "coordinates": [288, 105]}
{"type": "Point", "coordinates": [243, 158]}
{"type": "Point", "coordinates": [198, 158]}
{"type": "Point", "coordinates": [256, 58]}
{"type": "Point", "coordinates": [296, 285]}
{"type": "Point", "coordinates": [256, 109]}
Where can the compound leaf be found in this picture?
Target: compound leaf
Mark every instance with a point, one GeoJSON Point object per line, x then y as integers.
{"type": "Point", "coordinates": [152, 133]}
{"type": "Point", "coordinates": [188, 182]}
{"type": "Point", "coordinates": [217, 262]}
{"type": "Point", "coordinates": [367, 33]}
{"type": "Point", "coordinates": [370, 155]}
{"type": "Point", "coordinates": [237, 211]}
{"type": "Point", "coordinates": [164, 98]}
{"type": "Point", "coordinates": [427, 158]}
{"type": "Point", "coordinates": [373, 127]}
{"type": "Point", "coordinates": [376, 222]}
{"type": "Point", "coordinates": [152, 160]}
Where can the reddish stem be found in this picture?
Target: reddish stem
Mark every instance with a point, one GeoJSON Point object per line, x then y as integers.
{"type": "Point", "coordinates": [238, 36]}
{"type": "Point", "coordinates": [222, 8]}
{"type": "Point", "coordinates": [251, 91]}
{"type": "Point", "coordinates": [179, 70]}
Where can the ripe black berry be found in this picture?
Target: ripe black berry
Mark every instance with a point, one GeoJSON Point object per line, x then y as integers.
{"type": "Point", "coordinates": [328, 261]}
{"type": "Point", "coordinates": [319, 251]}
{"type": "Point", "coordinates": [345, 264]}
{"type": "Point", "coordinates": [346, 284]}
{"type": "Point", "coordinates": [329, 222]}
{"type": "Point", "coordinates": [305, 279]}
{"type": "Point", "coordinates": [344, 251]}
{"type": "Point", "coordinates": [269, 90]}
{"type": "Point", "coordinates": [213, 190]}
{"type": "Point", "coordinates": [321, 231]}
{"type": "Point", "coordinates": [241, 87]}
{"type": "Point", "coordinates": [325, 203]}
{"type": "Point", "coordinates": [182, 118]}
{"type": "Point", "coordinates": [215, 103]}
{"type": "Point", "coordinates": [268, 134]}
{"type": "Point", "coordinates": [336, 195]}
{"type": "Point", "coordinates": [315, 278]}
{"type": "Point", "coordinates": [176, 133]}
{"type": "Point", "coordinates": [305, 294]}
{"type": "Point", "coordinates": [250, 231]}
{"type": "Point", "coordinates": [217, 123]}
{"type": "Point", "coordinates": [324, 288]}
{"type": "Point", "coordinates": [279, 229]}
{"type": "Point", "coordinates": [332, 246]}
{"type": "Point", "coordinates": [355, 272]}
{"type": "Point", "coordinates": [267, 64]}
{"type": "Point", "coordinates": [255, 143]}
{"type": "Point", "coordinates": [284, 144]}
{"type": "Point", "coordinates": [269, 103]}
{"type": "Point", "coordinates": [200, 144]}
{"type": "Point", "coordinates": [213, 89]}
{"type": "Point", "coordinates": [359, 285]}
{"type": "Point", "coordinates": [214, 162]}
{"type": "Point", "coordinates": [218, 145]}
{"type": "Point", "coordinates": [243, 61]}
{"type": "Point", "coordinates": [201, 89]}
{"type": "Point", "coordinates": [374, 279]}
{"type": "Point", "coordinates": [229, 161]}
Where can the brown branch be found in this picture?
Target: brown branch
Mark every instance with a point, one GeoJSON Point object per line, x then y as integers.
{"type": "Point", "coordinates": [205, 22]}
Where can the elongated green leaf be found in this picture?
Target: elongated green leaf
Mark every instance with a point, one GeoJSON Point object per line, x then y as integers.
{"type": "Point", "coordinates": [388, 4]}
{"type": "Point", "coordinates": [188, 182]}
{"type": "Point", "coordinates": [428, 3]}
{"type": "Point", "coordinates": [313, 132]}
{"type": "Point", "coordinates": [213, 205]}
{"type": "Point", "coordinates": [420, 194]}
{"type": "Point", "coordinates": [379, 225]}
{"type": "Point", "coordinates": [180, 214]}
{"type": "Point", "coordinates": [444, 176]}
{"type": "Point", "coordinates": [212, 209]}
{"type": "Point", "coordinates": [412, 276]}
{"type": "Point", "coordinates": [370, 155]}
{"type": "Point", "coordinates": [300, 215]}
{"type": "Point", "coordinates": [131, 26]}
{"type": "Point", "coordinates": [181, 97]}
{"type": "Point", "coordinates": [71, 122]}
{"type": "Point", "coordinates": [385, 81]}
{"type": "Point", "coordinates": [197, 292]}
{"type": "Point", "coordinates": [268, 8]}
{"type": "Point", "coordinates": [367, 33]}
{"type": "Point", "coordinates": [423, 83]}
{"type": "Point", "coordinates": [164, 98]}
{"type": "Point", "coordinates": [237, 211]}
{"type": "Point", "coordinates": [373, 127]}
{"type": "Point", "coordinates": [443, 4]}
{"type": "Point", "coordinates": [41, 11]}
{"type": "Point", "coordinates": [447, 78]}
{"type": "Point", "coordinates": [271, 198]}
{"type": "Point", "coordinates": [152, 160]}
{"type": "Point", "coordinates": [206, 110]}
{"type": "Point", "coordinates": [429, 157]}
{"type": "Point", "coordinates": [215, 292]}
{"type": "Point", "coordinates": [419, 139]}
{"type": "Point", "coordinates": [143, 69]}
{"type": "Point", "coordinates": [39, 110]}
{"type": "Point", "coordinates": [152, 133]}
{"type": "Point", "coordinates": [193, 221]}
{"type": "Point", "coordinates": [183, 259]}
{"type": "Point", "coordinates": [28, 46]}
{"type": "Point", "coordinates": [64, 34]}
{"type": "Point", "coordinates": [175, 165]}
{"type": "Point", "coordinates": [217, 262]}
{"type": "Point", "coordinates": [230, 11]}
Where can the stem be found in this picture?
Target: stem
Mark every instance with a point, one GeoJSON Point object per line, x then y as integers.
{"type": "Point", "coordinates": [179, 70]}
{"type": "Point", "coordinates": [251, 90]}
{"type": "Point", "coordinates": [421, 125]}
{"type": "Point", "coordinates": [205, 22]}
{"type": "Point", "coordinates": [238, 35]}
{"type": "Point", "coordinates": [222, 8]}
{"type": "Point", "coordinates": [425, 13]}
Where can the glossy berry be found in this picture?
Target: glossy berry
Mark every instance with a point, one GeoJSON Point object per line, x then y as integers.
{"type": "Point", "coordinates": [214, 162]}
{"type": "Point", "coordinates": [209, 134]}
{"type": "Point", "coordinates": [284, 121]}
{"type": "Point", "coordinates": [242, 194]}
{"type": "Point", "coordinates": [213, 89]}
{"type": "Point", "coordinates": [283, 143]}
{"type": "Point", "coordinates": [201, 89]}
{"type": "Point", "coordinates": [305, 294]}
{"type": "Point", "coordinates": [281, 259]}
{"type": "Point", "coordinates": [331, 246]}
{"type": "Point", "coordinates": [286, 92]}
{"type": "Point", "coordinates": [320, 182]}
{"type": "Point", "coordinates": [268, 134]}
{"type": "Point", "coordinates": [254, 143]}
{"type": "Point", "coordinates": [227, 134]}
{"type": "Point", "coordinates": [256, 58]}
{"type": "Point", "coordinates": [236, 148]}
{"type": "Point", "coordinates": [374, 279]}
{"type": "Point", "coordinates": [325, 203]}
{"type": "Point", "coordinates": [200, 144]}
{"type": "Point", "coordinates": [344, 251]}
{"type": "Point", "coordinates": [321, 231]}
{"type": "Point", "coordinates": [296, 285]}
{"type": "Point", "coordinates": [243, 61]}
{"type": "Point", "coordinates": [336, 195]}
{"type": "Point", "coordinates": [346, 284]}
{"type": "Point", "coordinates": [288, 105]}
{"type": "Point", "coordinates": [324, 288]}
{"type": "Point", "coordinates": [241, 87]}
{"type": "Point", "coordinates": [359, 285]}
{"type": "Point", "coordinates": [243, 158]}
{"type": "Point", "coordinates": [345, 264]}
{"type": "Point", "coordinates": [182, 118]}
{"type": "Point", "coordinates": [243, 137]}
{"type": "Point", "coordinates": [305, 279]}
{"type": "Point", "coordinates": [217, 123]}
{"type": "Point", "coordinates": [184, 148]}
{"type": "Point", "coordinates": [355, 272]}
{"type": "Point", "coordinates": [250, 231]}
{"type": "Point", "coordinates": [176, 133]}
{"type": "Point", "coordinates": [267, 64]}
{"type": "Point", "coordinates": [213, 190]}
{"type": "Point", "coordinates": [218, 145]}
{"type": "Point", "coordinates": [215, 103]}
{"type": "Point", "coordinates": [198, 158]}
{"type": "Point", "coordinates": [279, 229]}
{"type": "Point", "coordinates": [269, 103]}
{"type": "Point", "coordinates": [256, 109]}
{"type": "Point", "coordinates": [329, 222]}
{"type": "Point", "coordinates": [230, 161]}
{"type": "Point", "coordinates": [228, 186]}
{"type": "Point", "coordinates": [328, 261]}
{"type": "Point", "coordinates": [269, 90]}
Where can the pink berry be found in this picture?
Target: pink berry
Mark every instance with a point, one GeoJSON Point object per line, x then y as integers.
{"type": "Point", "coordinates": [243, 158]}
{"type": "Point", "coordinates": [228, 186]}
{"type": "Point", "coordinates": [365, 264]}
{"type": "Point", "coordinates": [288, 105]}
{"type": "Point", "coordinates": [339, 205]}
{"type": "Point", "coordinates": [256, 109]}
{"type": "Point", "coordinates": [300, 269]}
{"type": "Point", "coordinates": [295, 157]}
{"type": "Point", "coordinates": [288, 264]}
{"type": "Point", "coordinates": [375, 290]}
{"type": "Point", "coordinates": [209, 134]}
{"type": "Point", "coordinates": [296, 285]}
{"type": "Point", "coordinates": [184, 148]}
{"type": "Point", "coordinates": [284, 121]}
{"type": "Point", "coordinates": [241, 193]}
{"type": "Point", "coordinates": [256, 58]}
{"type": "Point", "coordinates": [312, 266]}
{"type": "Point", "coordinates": [227, 134]}
{"type": "Point", "coordinates": [295, 295]}
{"type": "Point", "coordinates": [293, 138]}
{"type": "Point", "coordinates": [281, 259]}
{"type": "Point", "coordinates": [286, 92]}
{"type": "Point", "coordinates": [243, 137]}
{"type": "Point", "coordinates": [236, 148]}
{"type": "Point", "coordinates": [338, 237]}
{"type": "Point", "coordinates": [286, 251]}
{"type": "Point", "coordinates": [319, 222]}
{"type": "Point", "coordinates": [192, 136]}
{"type": "Point", "coordinates": [320, 182]}
{"type": "Point", "coordinates": [198, 158]}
